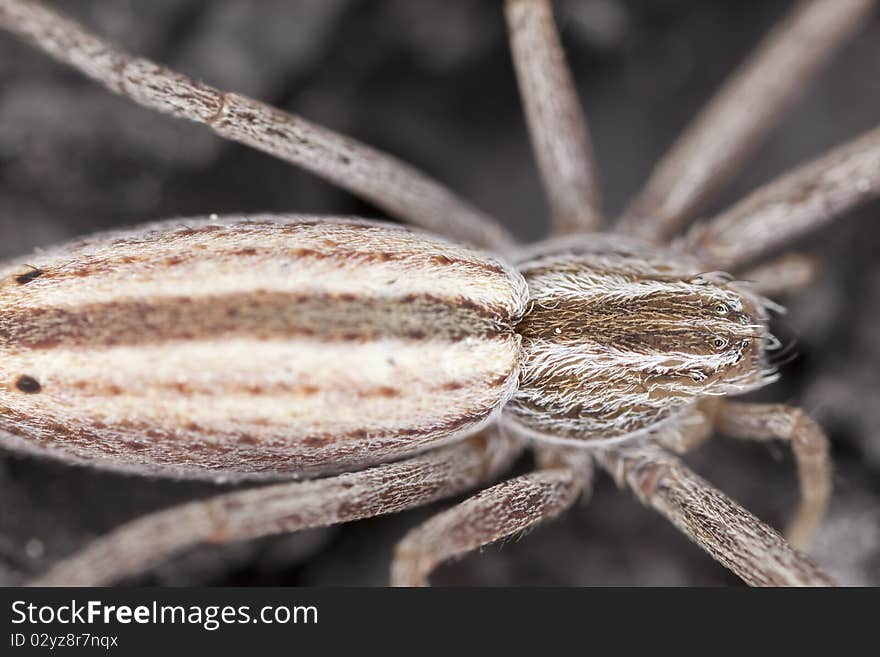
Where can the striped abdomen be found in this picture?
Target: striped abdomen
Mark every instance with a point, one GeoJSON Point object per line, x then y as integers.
{"type": "Point", "coordinates": [245, 347]}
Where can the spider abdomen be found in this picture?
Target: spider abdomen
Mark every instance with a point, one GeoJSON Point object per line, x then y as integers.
{"type": "Point", "coordinates": [261, 346]}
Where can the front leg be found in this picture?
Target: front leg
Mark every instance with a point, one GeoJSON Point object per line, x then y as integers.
{"type": "Point", "coordinates": [811, 453]}
{"type": "Point", "coordinates": [723, 135]}
{"type": "Point", "coordinates": [730, 534]}
{"type": "Point", "coordinates": [791, 205]}
{"type": "Point", "coordinates": [493, 514]}
{"type": "Point", "coordinates": [784, 274]}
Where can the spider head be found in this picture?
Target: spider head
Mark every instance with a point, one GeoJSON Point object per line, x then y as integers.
{"type": "Point", "coordinates": [710, 337]}
{"type": "Point", "coordinates": [616, 340]}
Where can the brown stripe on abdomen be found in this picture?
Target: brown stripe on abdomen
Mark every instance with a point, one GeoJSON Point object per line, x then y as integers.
{"type": "Point", "coordinates": [244, 407]}
{"type": "Point", "coordinates": [172, 251]}
{"type": "Point", "coordinates": [260, 315]}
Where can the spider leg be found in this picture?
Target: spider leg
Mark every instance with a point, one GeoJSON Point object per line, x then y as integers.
{"type": "Point", "coordinates": [730, 534]}
{"type": "Point", "coordinates": [726, 132]}
{"type": "Point", "coordinates": [556, 122]}
{"type": "Point", "coordinates": [285, 507]}
{"type": "Point", "coordinates": [492, 514]}
{"type": "Point", "coordinates": [390, 184]}
{"type": "Point", "coordinates": [787, 273]}
{"type": "Point", "coordinates": [767, 422]}
{"type": "Point", "coordinates": [811, 452]}
{"type": "Point", "coordinates": [691, 430]}
{"type": "Point", "coordinates": [791, 205]}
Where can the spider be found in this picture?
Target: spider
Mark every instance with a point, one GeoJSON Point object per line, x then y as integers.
{"type": "Point", "coordinates": [631, 438]}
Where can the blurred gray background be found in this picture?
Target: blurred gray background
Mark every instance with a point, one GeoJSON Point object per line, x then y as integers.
{"type": "Point", "coordinates": [431, 81]}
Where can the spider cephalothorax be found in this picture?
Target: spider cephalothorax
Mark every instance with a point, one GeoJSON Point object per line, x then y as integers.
{"type": "Point", "coordinates": [619, 336]}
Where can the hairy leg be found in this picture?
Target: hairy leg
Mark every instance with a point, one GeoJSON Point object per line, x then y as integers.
{"type": "Point", "coordinates": [492, 514]}
{"type": "Point", "coordinates": [286, 507]}
{"type": "Point", "coordinates": [726, 132]}
{"type": "Point", "coordinates": [811, 452]}
{"type": "Point", "coordinates": [788, 273]}
{"type": "Point", "coordinates": [791, 205]}
{"type": "Point", "coordinates": [729, 533]}
{"type": "Point", "coordinates": [692, 429]}
{"type": "Point", "coordinates": [556, 122]}
{"type": "Point", "coordinates": [392, 185]}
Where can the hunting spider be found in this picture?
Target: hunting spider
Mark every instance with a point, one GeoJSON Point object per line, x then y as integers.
{"type": "Point", "coordinates": [631, 340]}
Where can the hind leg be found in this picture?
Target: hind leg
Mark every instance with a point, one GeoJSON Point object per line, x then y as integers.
{"type": "Point", "coordinates": [136, 546]}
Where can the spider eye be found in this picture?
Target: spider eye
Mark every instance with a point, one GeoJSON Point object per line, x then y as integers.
{"type": "Point", "coordinates": [721, 308]}
{"type": "Point", "coordinates": [719, 343]}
